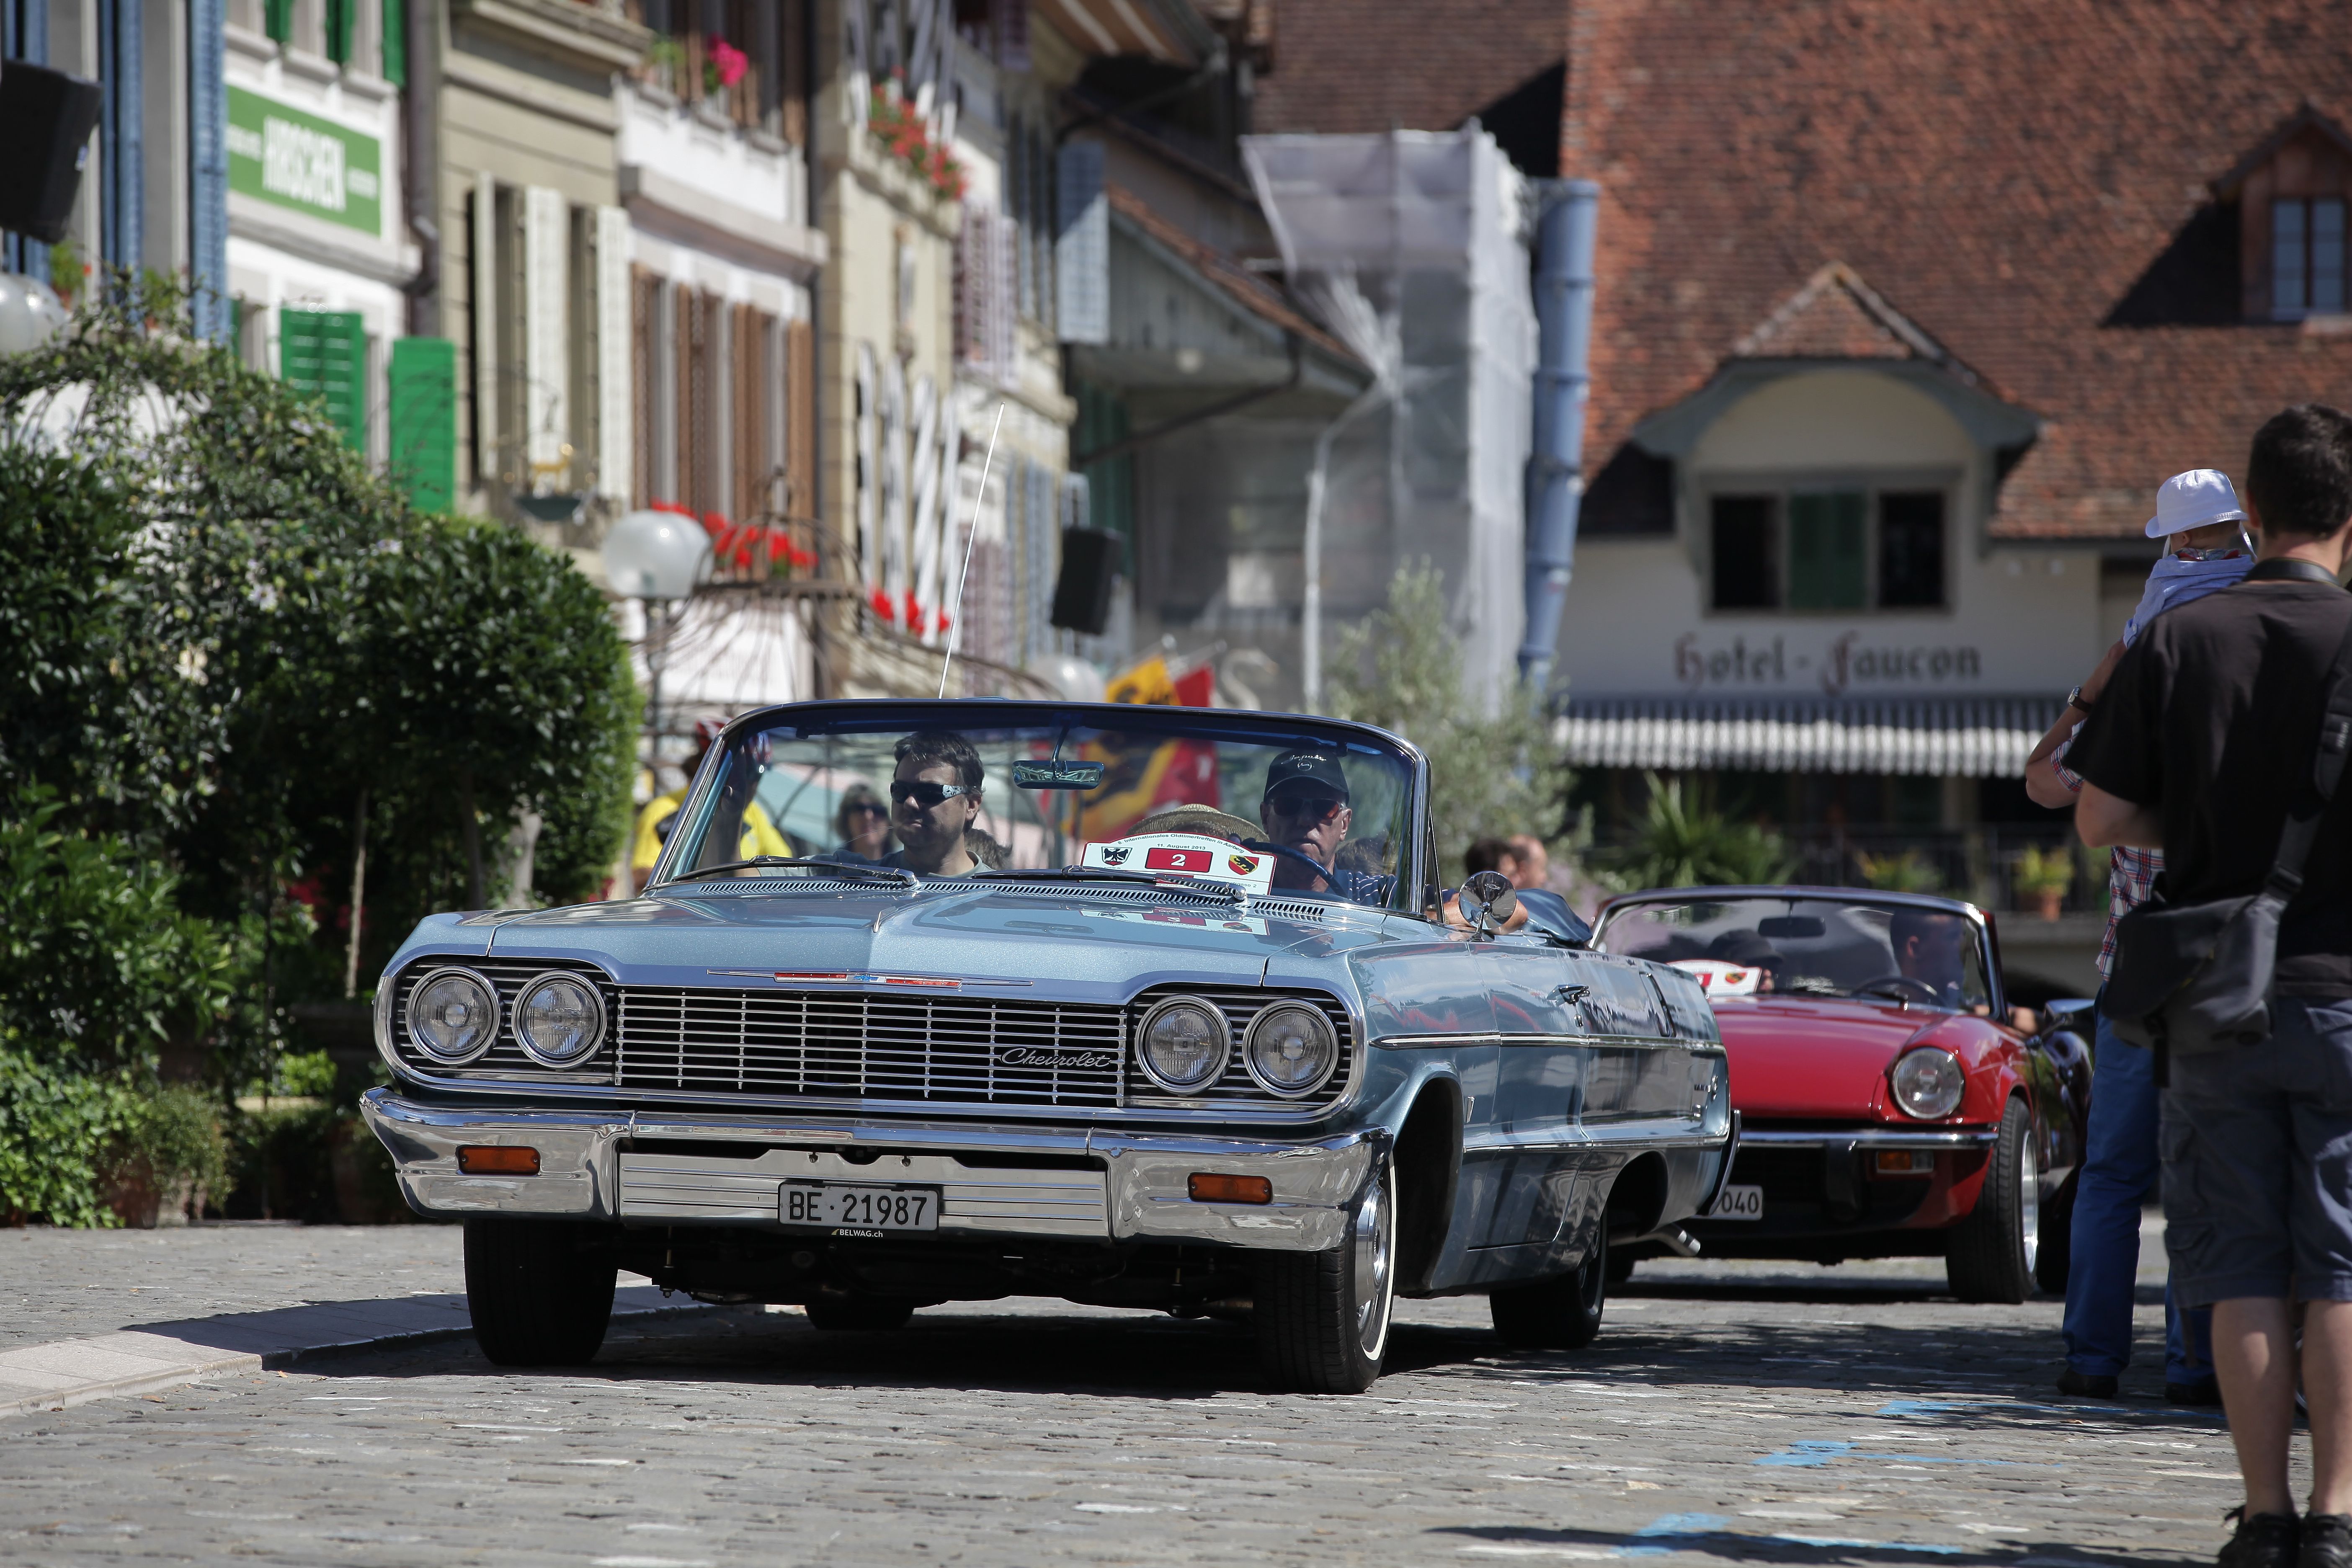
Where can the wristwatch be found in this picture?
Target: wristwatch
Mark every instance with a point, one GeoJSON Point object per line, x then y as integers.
{"type": "Point", "coordinates": [2076, 698]}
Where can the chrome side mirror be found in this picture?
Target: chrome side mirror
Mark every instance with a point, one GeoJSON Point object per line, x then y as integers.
{"type": "Point", "coordinates": [1487, 899]}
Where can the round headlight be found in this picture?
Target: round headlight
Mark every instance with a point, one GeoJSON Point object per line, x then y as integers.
{"type": "Point", "coordinates": [560, 1020]}
{"type": "Point", "coordinates": [1928, 1082]}
{"type": "Point", "coordinates": [1291, 1049]}
{"type": "Point", "coordinates": [454, 1014]}
{"type": "Point", "coordinates": [1184, 1043]}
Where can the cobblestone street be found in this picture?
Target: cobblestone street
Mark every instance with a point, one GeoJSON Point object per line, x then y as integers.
{"type": "Point", "coordinates": [1730, 1412]}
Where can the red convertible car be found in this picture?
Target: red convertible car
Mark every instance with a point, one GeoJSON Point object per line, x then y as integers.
{"type": "Point", "coordinates": [1886, 1105]}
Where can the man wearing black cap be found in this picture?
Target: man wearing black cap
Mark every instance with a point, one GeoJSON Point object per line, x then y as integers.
{"type": "Point", "coordinates": [1306, 815]}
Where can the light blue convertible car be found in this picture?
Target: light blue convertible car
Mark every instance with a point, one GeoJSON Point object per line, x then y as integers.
{"type": "Point", "coordinates": [1141, 1006]}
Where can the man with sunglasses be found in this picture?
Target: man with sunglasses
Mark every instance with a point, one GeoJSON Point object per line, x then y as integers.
{"type": "Point", "coordinates": [934, 797]}
{"type": "Point", "coordinates": [1307, 816]}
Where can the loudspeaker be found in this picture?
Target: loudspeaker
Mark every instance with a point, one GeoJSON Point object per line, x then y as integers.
{"type": "Point", "coordinates": [1082, 596]}
{"type": "Point", "coordinates": [45, 118]}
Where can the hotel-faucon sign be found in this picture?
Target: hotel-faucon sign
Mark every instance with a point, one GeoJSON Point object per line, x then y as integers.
{"type": "Point", "coordinates": [1849, 661]}
{"type": "Point", "coordinates": [295, 159]}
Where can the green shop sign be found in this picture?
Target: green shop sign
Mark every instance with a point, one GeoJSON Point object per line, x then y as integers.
{"type": "Point", "coordinates": [300, 161]}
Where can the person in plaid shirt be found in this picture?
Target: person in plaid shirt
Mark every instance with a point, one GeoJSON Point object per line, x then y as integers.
{"type": "Point", "coordinates": [2197, 512]}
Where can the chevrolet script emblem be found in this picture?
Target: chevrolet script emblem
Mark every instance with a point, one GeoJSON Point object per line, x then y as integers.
{"type": "Point", "coordinates": [1047, 1056]}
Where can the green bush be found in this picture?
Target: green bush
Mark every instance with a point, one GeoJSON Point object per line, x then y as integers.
{"type": "Point", "coordinates": [1679, 846]}
{"type": "Point", "coordinates": [227, 649]}
{"type": "Point", "coordinates": [57, 1126]}
{"type": "Point", "coordinates": [1490, 775]}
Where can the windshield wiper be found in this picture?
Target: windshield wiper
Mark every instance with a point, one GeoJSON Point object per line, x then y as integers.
{"type": "Point", "coordinates": [1108, 874]}
{"type": "Point", "coordinates": [895, 874]}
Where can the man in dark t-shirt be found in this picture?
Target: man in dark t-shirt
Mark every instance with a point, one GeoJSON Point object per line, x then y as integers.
{"type": "Point", "coordinates": [2199, 746]}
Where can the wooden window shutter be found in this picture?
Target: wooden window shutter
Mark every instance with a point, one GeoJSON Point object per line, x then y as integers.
{"type": "Point", "coordinates": [685, 315]}
{"type": "Point", "coordinates": [484, 303]}
{"type": "Point", "coordinates": [792, 71]}
{"type": "Point", "coordinates": [423, 457]}
{"type": "Point", "coordinates": [799, 420]}
{"type": "Point", "coordinates": [615, 358]}
{"type": "Point", "coordinates": [1826, 552]}
{"type": "Point", "coordinates": [710, 405]}
{"type": "Point", "coordinates": [645, 298]}
{"type": "Point", "coordinates": [324, 353]}
{"type": "Point", "coordinates": [547, 322]}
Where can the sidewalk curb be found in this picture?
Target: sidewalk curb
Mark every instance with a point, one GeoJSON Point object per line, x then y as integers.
{"type": "Point", "coordinates": [173, 1363]}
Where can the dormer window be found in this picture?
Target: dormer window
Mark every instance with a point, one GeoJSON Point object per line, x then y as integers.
{"type": "Point", "coordinates": [2290, 193]}
{"type": "Point", "coordinates": [2307, 256]}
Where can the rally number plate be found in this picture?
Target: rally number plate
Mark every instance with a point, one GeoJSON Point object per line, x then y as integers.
{"type": "Point", "coordinates": [841, 1205]}
{"type": "Point", "coordinates": [1738, 1203]}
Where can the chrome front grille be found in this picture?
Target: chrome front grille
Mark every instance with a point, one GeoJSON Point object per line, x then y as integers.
{"type": "Point", "coordinates": [859, 1044]}
{"type": "Point", "coordinates": [866, 1046]}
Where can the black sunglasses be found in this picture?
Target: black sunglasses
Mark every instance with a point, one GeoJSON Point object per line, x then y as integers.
{"type": "Point", "coordinates": [1321, 807]}
{"type": "Point", "coordinates": [924, 793]}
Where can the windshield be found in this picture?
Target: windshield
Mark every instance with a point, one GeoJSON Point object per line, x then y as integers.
{"type": "Point", "coordinates": [1842, 946]}
{"type": "Point", "coordinates": [958, 789]}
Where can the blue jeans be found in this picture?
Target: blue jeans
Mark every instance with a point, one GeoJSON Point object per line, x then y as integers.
{"type": "Point", "coordinates": [2118, 1167]}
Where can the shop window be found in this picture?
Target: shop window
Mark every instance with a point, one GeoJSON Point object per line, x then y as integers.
{"type": "Point", "coordinates": [1911, 548]}
{"type": "Point", "coordinates": [1747, 566]}
{"type": "Point", "coordinates": [2308, 260]}
{"type": "Point", "coordinates": [1827, 549]}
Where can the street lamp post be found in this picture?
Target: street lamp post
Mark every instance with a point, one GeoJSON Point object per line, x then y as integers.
{"type": "Point", "coordinates": [655, 558]}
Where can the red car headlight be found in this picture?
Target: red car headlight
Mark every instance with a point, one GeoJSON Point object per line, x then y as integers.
{"type": "Point", "coordinates": [1927, 1082]}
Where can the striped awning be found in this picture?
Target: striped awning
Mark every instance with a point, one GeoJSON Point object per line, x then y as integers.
{"type": "Point", "coordinates": [1975, 737]}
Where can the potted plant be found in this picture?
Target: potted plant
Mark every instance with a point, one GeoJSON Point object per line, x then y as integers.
{"type": "Point", "coordinates": [2042, 877]}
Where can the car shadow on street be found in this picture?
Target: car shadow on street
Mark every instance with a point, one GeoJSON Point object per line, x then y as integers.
{"type": "Point", "coordinates": [1961, 1376]}
{"type": "Point", "coordinates": [1697, 1535]}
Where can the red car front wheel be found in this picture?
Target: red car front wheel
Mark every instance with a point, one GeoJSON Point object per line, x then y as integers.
{"type": "Point", "coordinates": [1991, 1254]}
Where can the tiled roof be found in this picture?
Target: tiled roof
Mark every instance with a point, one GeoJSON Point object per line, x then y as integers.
{"type": "Point", "coordinates": [1380, 65]}
{"type": "Point", "coordinates": [2033, 180]}
{"type": "Point", "coordinates": [1244, 288]}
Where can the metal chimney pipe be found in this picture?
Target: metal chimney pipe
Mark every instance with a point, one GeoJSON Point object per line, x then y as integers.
{"type": "Point", "coordinates": [1564, 235]}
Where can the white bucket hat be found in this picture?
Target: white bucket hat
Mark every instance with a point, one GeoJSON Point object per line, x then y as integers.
{"type": "Point", "coordinates": [2197, 498]}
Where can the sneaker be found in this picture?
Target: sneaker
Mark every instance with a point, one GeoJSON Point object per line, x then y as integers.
{"type": "Point", "coordinates": [2326, 1540]}
{"type": "Point", "coordinates": [2262, 1540]}
{"type": "Point", "coordinates": [2202, 1391]}
{"type": "Point", "coordinates": [2085, 1385]}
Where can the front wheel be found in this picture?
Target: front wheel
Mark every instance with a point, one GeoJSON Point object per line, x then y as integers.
{"type": "Point", "coordinates": [1323, 1317]}
{"type": "Point", "coordinates": [1561, 1313]}
{"type": "Point", "coordinates": [1991, 1253]}
{"type": "Point", "coordinates": [540, 1291]}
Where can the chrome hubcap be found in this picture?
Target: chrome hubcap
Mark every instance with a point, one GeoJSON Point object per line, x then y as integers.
{"type": "Point", "coordinates": [1374, 1238]}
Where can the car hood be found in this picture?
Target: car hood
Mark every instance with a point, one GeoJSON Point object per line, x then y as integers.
{"type": "Point", "coordinates": [1074, 941]}
{"type": "Point", "coordinates": [1808, 1058]}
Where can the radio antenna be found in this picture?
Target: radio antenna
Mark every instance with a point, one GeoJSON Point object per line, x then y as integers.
{"type": "Point", "coordinates": [955, 613]}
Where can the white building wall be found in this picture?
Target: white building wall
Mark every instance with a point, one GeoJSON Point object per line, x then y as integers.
{"type": "Point", "coordinates": [2015, 621]}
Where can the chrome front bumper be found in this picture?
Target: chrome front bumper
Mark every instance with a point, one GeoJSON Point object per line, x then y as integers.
{"type": "Point", "coordinates": [1140, 1191]}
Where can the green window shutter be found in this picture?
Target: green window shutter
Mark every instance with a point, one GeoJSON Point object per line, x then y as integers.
{"type": "Point", "coordinates": [1826, 552]}
{"type": "Point", "coordinates": [425, 421]}
{"type": "Point", "coordinates": [341, 17]}
{"type": "Point", "coordinates": [278, 19]}
{"type": "Point", "coordinates": [324, 353]}
{"type": "Point", "coordinates": [395, 42]}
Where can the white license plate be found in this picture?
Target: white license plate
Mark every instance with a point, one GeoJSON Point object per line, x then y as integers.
{"type": "Point", "coordinates": [840, 1205]}
{"type": "Point", "coordinates": [1738, 1203]}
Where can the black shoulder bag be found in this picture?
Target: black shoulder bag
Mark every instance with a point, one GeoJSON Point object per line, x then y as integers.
{"type": "Point", "coordinates": [2190, 978]}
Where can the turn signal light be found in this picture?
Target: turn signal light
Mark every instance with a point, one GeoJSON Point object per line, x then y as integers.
{"type": "Point", "coordinates": [1207, 1188]}
{"type": "Point", "coordinates": [497, 1160]}
{"type": "Point", "coordinates": [1904, 1161]}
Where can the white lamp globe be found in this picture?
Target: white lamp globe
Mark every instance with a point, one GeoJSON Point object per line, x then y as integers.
{"type": "Point", "coordinates": [30, 314]}
{"type": "Point", "coordinates": [655, 555]}
{"type": "Point", "coordinates": [1073, 676]}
